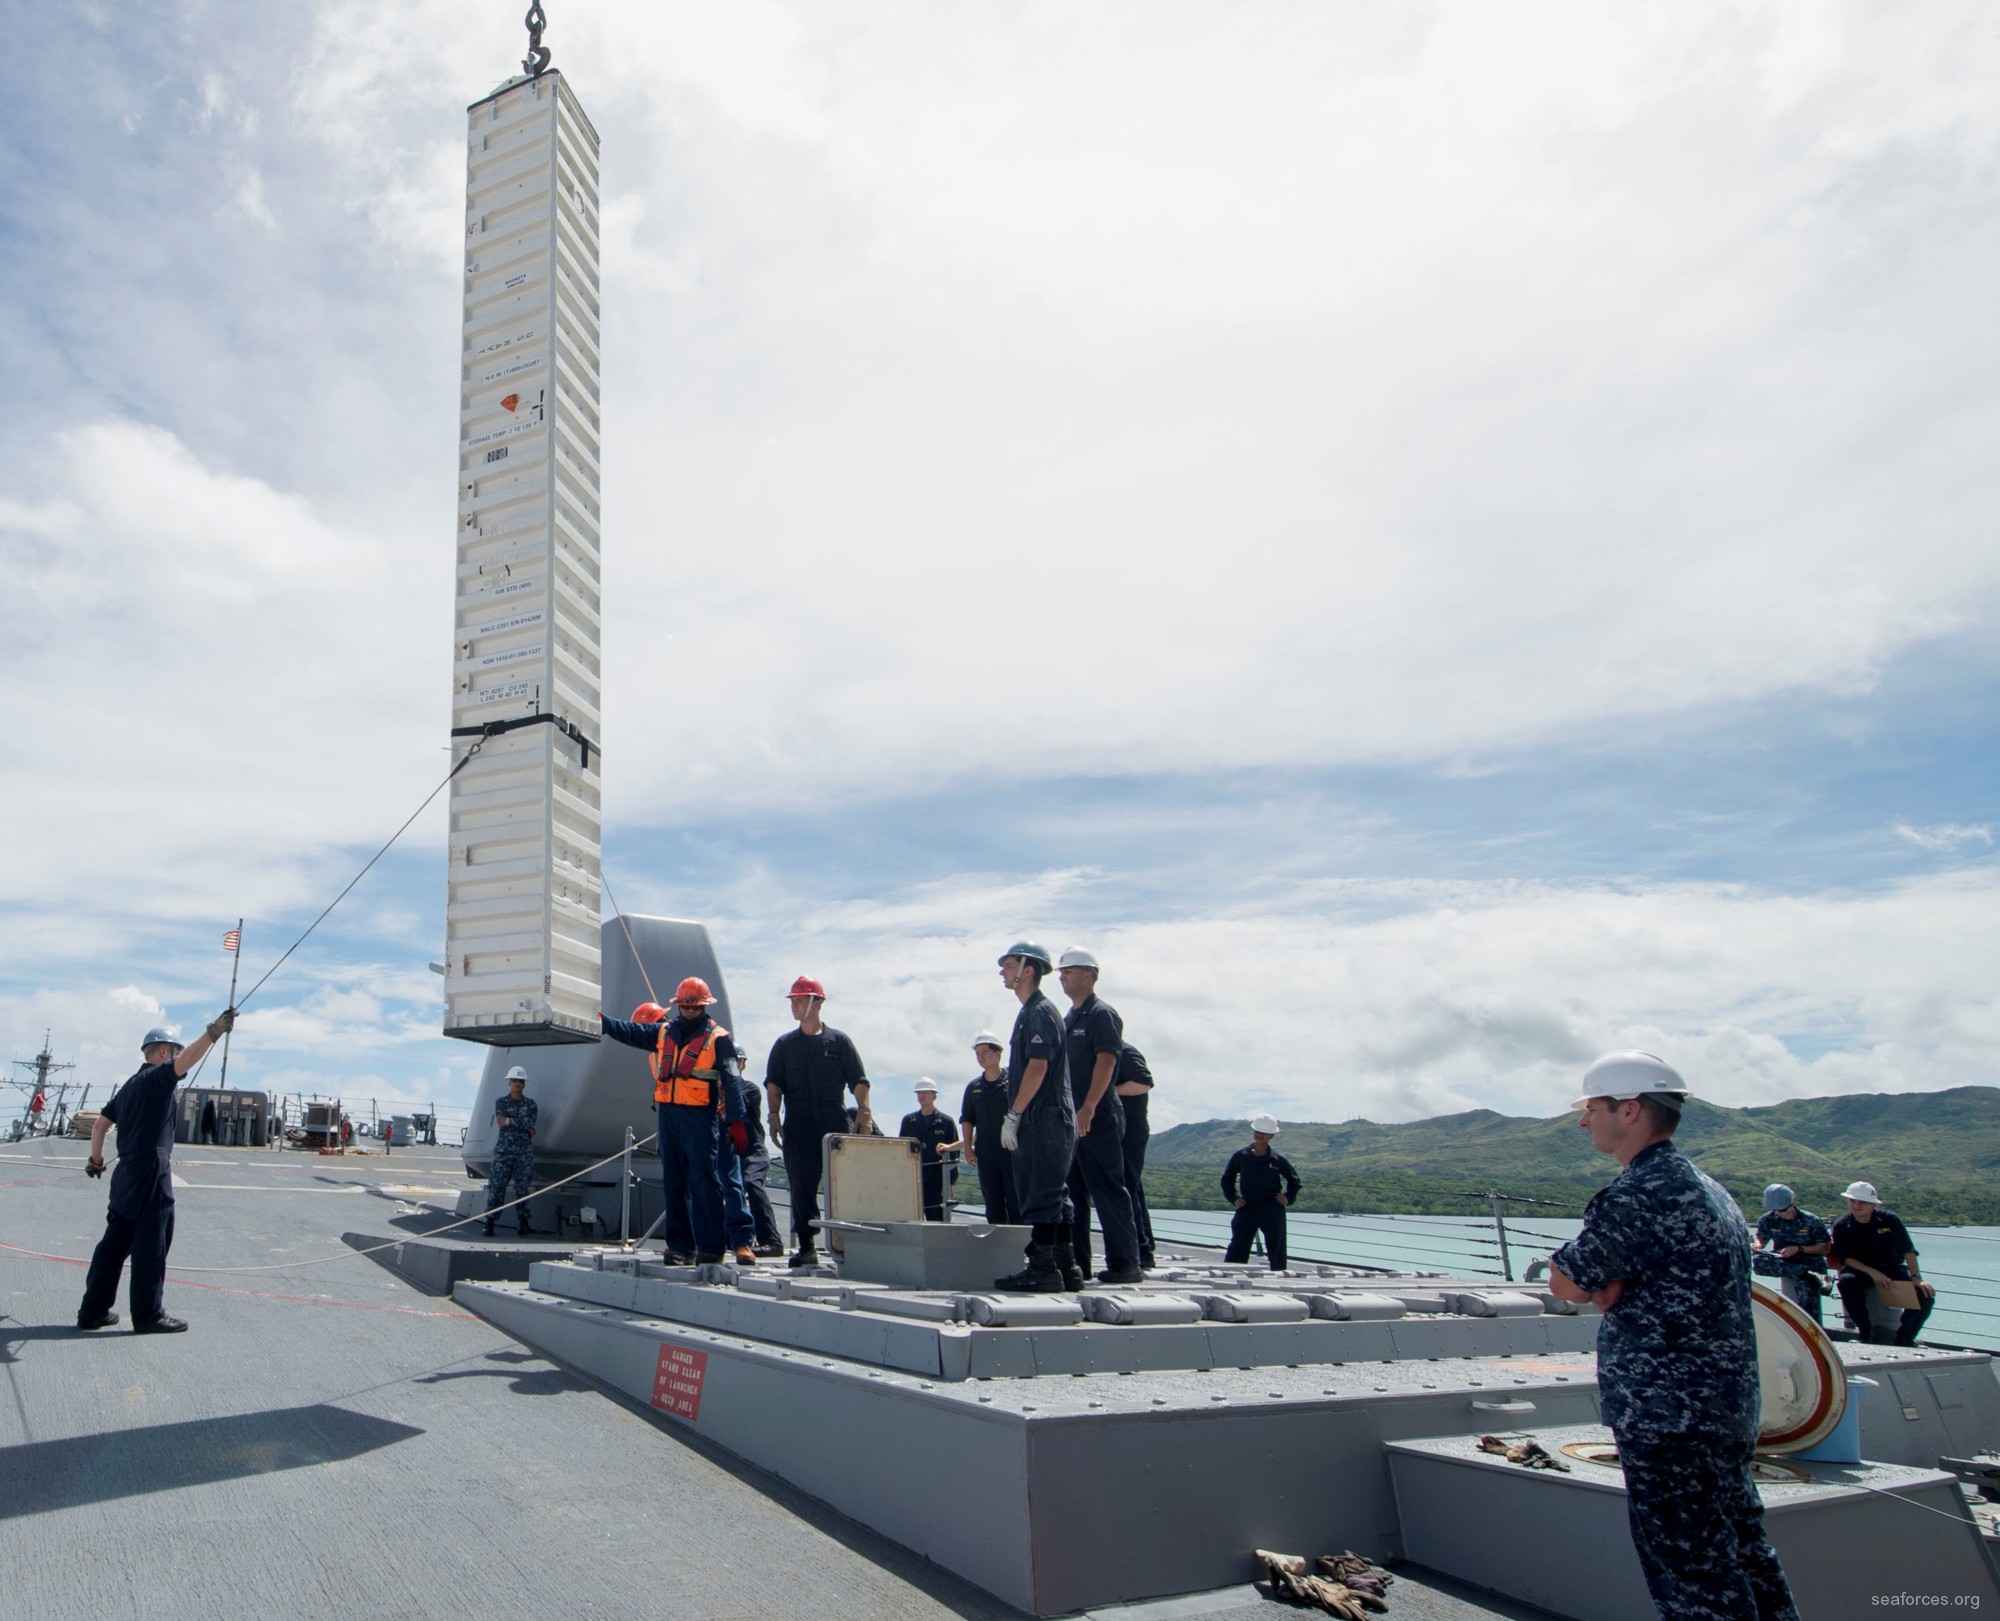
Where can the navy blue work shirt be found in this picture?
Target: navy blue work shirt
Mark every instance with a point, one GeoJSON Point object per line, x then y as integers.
{"type": "Point", "coordinates": [1677, 1353]}
{"type": "Point", "coordinates": [1133, 1068]}
{"type": "Point", "coordinates": [1090, 1029]}
{"type": "Point", "coordinates": [984, 1111]}
{"type": "Point", "coordinates": [646, 1037]}
{"type": "Point", "coordinates": [814, 1073]}
{"type": "Point", "coordinates": [143, 1111]}
{"type": "Point", "coordinates": [933, 1130]}
{"type": "Point", "coordinates": [1881, 1242]}
{"type": "Point", "coordinates": [1038, 1033]}
{"type": "Point", "coordinates": [1257, 1177]}
{"type": "Point", "coordinates": [1802, 1227]}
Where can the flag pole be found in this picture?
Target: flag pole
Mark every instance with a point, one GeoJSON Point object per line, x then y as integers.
{"type": "Point", "coordinates": [222, 1081]}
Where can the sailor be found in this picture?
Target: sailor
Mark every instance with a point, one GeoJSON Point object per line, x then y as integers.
{"type": "Point", "coordinates": [1791, 1247]}
{"type": "Point", "coordinates": [806, 1081]}
{"type": "Point", "coordinates": [755, 1169]}
{"type": "Point", "coordinates": [140, 1219]}
{"type": "Point", "coordinates": [1095, 1036]}
{"type": "Point", "coordinates": [515, 1116]}
{"type": "Point", "coordinates": [1871, 1246]}
{"type": "Point", "coordinates": [1135, 1088]}
{"type": "Point", "coordinates": [1039, 1131]}
{"type": "Point", "coordinates": [980, 1116]}
{"type": "Point", "coordinates": [692, 1056]}
{"type": "Point", "coordinates": [739, 1220]}
{"type": "Point", "coordinates": [1261, 1184]}
{"type": "Point", "coordinates": [208, 1120]}
{"type": "Point", "coordinates": [930, 1126]}
{"type": "Point", "coordinates": [1665, 1254]}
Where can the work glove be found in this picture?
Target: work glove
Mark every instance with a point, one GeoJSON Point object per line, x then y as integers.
{"type": "Point", "coordinates": [93, 1166]}
{"type": "Point", "coordinates": [739, 1138]}
{"type": "Point", "coordinates": [1010, 1132]}
{"type": "Point", "coordinates": [222, 1023]}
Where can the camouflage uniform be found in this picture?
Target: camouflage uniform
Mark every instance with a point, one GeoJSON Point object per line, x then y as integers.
{"type": "Point", "coordinates": [513, 1154]}
{"type": "Point", "coordinates": [1677, 1374]}
{"type": "Point", "coordinates": [1796, 1276]}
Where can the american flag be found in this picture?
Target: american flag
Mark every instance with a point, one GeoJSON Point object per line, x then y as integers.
{"type": "Point", "coordinates": [232, 940]}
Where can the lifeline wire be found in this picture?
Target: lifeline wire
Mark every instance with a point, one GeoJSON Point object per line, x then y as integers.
{"type": "Point", "coordinates": [619, 913]}
{"type": "Point", "coordinates": [363, 873]}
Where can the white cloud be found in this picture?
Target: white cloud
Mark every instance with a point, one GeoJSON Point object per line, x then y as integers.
{"type": "Point", "coordinates": [1946, 838]}
{"type": "Point", "coordinates": [1404, 1000]}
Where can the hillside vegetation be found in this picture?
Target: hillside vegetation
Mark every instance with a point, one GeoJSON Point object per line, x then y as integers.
{"type": "Point", "coordinates": [1934, 1156]}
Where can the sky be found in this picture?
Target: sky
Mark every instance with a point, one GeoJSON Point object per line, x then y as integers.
{"type": "Point", "coordinates": [1437, 540]}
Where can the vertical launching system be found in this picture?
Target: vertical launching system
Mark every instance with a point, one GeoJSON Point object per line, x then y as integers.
{"type": "Point", "coordinates": [522, 962]}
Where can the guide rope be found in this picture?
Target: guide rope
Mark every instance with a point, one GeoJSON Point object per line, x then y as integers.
{"type": "Point", "coordinates": [619, 913]}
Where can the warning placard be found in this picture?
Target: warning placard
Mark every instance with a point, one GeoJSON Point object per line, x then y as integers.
{"type": "Point", "coordinates": [677, 1380]}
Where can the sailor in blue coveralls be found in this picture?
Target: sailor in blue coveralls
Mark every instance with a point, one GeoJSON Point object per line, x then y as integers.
{"type": "Point", "coordinates": [1665, 1254]}
{"type": "Point", "coordinates": [1040, 1129]}
{"type": "Point", "coordinates": [140, 1220]}
{"type": "Point", "coordinates": [692, 1059]}
{"type": "Point", "coordinates": [980, 1117]}
{"type": "Point", "coordinates": [931, 1128]}
{"type": "Point", "coordinates": [1791, 1247]}
{"type": "Point", "coordinates": [1095, 1037]}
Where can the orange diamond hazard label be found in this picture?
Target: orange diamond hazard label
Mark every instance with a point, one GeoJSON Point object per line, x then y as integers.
{"type": "Point", "coordinates": [510, 402]}
{"type": "Point", "coordinates": [677, 1380]}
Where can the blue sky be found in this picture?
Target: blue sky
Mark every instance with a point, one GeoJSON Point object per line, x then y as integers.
{"type": "Point", "coordinates": [1437, 542]}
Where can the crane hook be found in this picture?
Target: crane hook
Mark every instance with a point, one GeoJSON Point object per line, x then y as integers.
{"type": "Point", "coordinates": [537, 59]}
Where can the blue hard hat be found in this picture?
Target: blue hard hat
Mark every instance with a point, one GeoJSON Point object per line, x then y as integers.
{"type": "Point", "coordinates": [1028, 951]}
{"type": "Point", "coordinates": [160, 1033]}
{"type": "Point", "coordinates": [1778, 1197]}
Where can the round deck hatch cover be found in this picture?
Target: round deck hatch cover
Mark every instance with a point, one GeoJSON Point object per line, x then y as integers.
{"type": "Point", "coordinates": [1765, 1471]}
{"type": "Point", "coordinates": [1803, 1383]}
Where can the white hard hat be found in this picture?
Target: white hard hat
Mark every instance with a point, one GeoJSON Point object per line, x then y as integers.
{"type": "Point", "coordinates": [1266, 1123]}
{"type": "Point", "coordinates": [1077, 957]}
{"type": "Point", "coordinates": [1632, 1074]}
{"type": "Point", "coordinates": [926, 1084]}
{"type": "Point", "coordinates": [517, 1073]}
{"type": "Point", "coordinates": [986, 1038]}
{"type": "Point", "coordinates": [1862, 1192]}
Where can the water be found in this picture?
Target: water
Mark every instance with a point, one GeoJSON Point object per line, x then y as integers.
{"type": "Point", "coordinates": [1964, 1262]}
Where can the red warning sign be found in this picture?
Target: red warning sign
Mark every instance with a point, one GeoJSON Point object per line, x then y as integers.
{"type": "Point", "coordinates": [510, 402]}
{"type": "Point", "coordinates": [677, 1380]}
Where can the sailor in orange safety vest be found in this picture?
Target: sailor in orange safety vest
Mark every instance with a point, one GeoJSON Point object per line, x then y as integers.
{"type": "Point", "coordinates": [692, 1059]}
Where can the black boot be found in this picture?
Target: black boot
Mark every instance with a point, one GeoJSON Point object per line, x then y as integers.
{"type": "Point", "coordinates": [1146, 1258]}
{"type": "Point", "coordinates": [1121, 1274]}
{"type": "Point", "coordinates": [1072, 1274]}
{"type": "Point", "coordinates": [1040, 1276]}
{"type": "Point", "coordinates": [807, 1256]}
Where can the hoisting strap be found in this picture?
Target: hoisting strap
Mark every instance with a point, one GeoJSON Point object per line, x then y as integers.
{"type": "Point", "coordinates": [569, 729]}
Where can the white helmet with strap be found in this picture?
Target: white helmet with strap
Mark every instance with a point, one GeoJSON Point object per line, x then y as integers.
{"type": "Point", "coordinates": [1632, 1074]}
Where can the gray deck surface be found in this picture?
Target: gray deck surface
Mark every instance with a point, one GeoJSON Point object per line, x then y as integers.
{"type": "Point", "coordinates": [330, 1441]}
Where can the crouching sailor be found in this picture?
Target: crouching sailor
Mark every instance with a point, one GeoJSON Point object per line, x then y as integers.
{"type": "Point", "coordinates": [691, 1055]}
{"type": "Point", "coordinates": [513, 1152]}
{"type": "Point", "coordinates": [1665, 1254]}
{"type": "Point", "coordinates": [140, 1220]}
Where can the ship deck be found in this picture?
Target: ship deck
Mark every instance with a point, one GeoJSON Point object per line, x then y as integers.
{"type": "Point", "coordinates": [328, 1440]}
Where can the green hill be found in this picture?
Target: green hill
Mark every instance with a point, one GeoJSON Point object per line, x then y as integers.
{"type": "Point", "coordinates": [1934, 1155]}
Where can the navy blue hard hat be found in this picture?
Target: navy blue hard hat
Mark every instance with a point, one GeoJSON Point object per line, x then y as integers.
{"type": "Point", "coordinates": [158, 1034]}
{"type": "Point", "coordinates": [1778, 1197]}
{"type": "Point", "coordinates": [1028, 951]}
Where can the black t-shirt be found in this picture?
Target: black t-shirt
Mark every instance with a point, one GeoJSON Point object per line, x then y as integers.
{"type": "Point", "coordinates": [933, 1130]}
{"type": "Point", "coordinates": [1090, 1029]}
{"type": "Point", "coordinates": [1881, 1242]}
{"type": "Point", "coordinates": [143, 1111]}
{"type": "Point", "coordinates": [814, 1073]}
{"type": "Point", "coordinates": [985, 1107]}
{"type": "Point", "coordinates": [1038, 1033]}
{"type": "Point", "coordinates": [1132, 1067]}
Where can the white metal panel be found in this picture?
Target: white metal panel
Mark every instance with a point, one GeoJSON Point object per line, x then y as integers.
{"type": "Point", "coordinates": [522, 960]}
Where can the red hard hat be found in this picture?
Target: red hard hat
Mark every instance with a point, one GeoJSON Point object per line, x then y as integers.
{"type": "Point", "coordinates": [693, 990]}
{"type": "Point", "coordinates": [649, 1013]}
{"type": "Point", "coordinates": [806, 985]}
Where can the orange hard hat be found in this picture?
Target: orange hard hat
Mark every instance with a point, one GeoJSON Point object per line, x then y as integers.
{"type": "Point", "coordinates": [649, 1013]}
{"type": "Point", "coordinates": [693, 990]}
{"type": "Point", "coordinates": [806, 985]}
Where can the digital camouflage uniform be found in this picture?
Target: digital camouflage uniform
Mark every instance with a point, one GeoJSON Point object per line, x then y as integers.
{"type": "Point", "coordinates": [513, 1154]}
{"type": "Point", "coordinates": [1799, 1276]}
{"type": "Point", "coordinates": [1677, 1375]}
